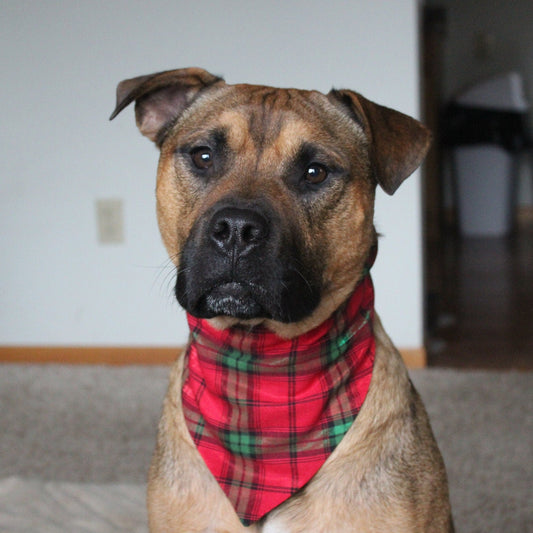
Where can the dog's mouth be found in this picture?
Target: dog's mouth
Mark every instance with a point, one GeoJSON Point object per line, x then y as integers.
{"type": "Point", "coordinates": [231, 299]}
{"type": "Point", "coordinates": [239, 262]}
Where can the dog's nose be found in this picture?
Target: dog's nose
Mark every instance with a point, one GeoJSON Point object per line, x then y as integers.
{"type": "Point", "coordinates": [236, 231]}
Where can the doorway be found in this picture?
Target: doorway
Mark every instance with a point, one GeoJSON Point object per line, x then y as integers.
{"type": "Point", "coordinates": [478, 291]}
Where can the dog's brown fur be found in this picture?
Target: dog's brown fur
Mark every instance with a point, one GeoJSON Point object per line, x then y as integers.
{"type": "Point", "coordinates": [387, 474]}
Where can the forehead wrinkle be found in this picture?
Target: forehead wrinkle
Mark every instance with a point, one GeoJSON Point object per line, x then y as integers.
{"type": "Point", "coordinates": [236, 127]}
{"type": "Point", "coordinates": [272, 125]}
{"type": "Point", "coordinates": [289, 140]}
{"type": "Point", "coordinates": [266, 119]}
{"type": "Point", "coordinates": [266, 126]}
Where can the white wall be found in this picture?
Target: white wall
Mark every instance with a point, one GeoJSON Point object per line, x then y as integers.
{"type": "Point", "coordinates": [60, 64]}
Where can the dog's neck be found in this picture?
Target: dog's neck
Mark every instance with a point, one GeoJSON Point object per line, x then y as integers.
{"type": "Point", "coordinates": [266, 412]}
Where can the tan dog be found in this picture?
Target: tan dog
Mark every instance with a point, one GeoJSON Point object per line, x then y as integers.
{"type": "Point", "coordinates": [265, 204]}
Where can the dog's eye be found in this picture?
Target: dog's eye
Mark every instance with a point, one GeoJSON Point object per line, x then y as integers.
{"type": "Point", "coordinates": [315, 174]}
{"type": "Point", "coordinates": [202, 157]}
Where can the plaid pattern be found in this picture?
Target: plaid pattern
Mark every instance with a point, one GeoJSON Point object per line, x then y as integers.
{"type": "Point", "coordinates": [266, 412]}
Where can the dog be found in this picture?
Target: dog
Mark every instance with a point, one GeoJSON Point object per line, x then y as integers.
{"type": "Point", "coordinates": [290, 410]}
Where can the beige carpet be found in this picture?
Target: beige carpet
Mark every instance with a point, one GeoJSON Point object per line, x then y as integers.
{"type": "Point", "coordinates": [52, 507]}
{"type": "Point", "coordinates": [75, 444]}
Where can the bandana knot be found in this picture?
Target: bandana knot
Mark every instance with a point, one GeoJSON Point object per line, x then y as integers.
{"type": "Point", "coordinates": [266, 412]}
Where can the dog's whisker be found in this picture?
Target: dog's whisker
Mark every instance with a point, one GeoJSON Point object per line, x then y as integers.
{"type": "Point", "coordinates": [304, 278]}
{"type": "Point", "coordinates": [165, 271]}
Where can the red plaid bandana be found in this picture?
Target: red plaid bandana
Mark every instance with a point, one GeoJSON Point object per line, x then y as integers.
{"type": "Point", "coordinates": [266, 412]}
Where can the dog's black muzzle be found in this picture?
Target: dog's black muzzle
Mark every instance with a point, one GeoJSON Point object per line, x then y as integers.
{"type": "Point", "coordinates": [240, 261]}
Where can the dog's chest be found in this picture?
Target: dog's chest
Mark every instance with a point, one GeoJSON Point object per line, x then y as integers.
{"type": "Point", "coordinates": [274, 526]}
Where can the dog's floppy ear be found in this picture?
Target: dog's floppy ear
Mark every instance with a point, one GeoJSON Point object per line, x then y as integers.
{"type": "Point", "coordinates": [161, 97]}
{"type": "Point", "coordinates": [397, 142]}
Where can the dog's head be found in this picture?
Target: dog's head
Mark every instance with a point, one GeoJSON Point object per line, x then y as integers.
{"type": "Point", "coordinates": [265, 196]}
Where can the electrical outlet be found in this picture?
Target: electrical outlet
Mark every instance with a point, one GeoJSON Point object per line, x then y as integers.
{"type": "Point", "coordinates": [110, 221]}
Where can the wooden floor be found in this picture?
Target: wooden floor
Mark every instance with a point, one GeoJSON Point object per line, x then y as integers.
{"type": "Point", "coordinates": [486, 318]}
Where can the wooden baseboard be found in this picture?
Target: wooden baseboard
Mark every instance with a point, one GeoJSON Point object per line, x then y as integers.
{"type": "Point", "coordinates": [127, 355]}
{"type": "Point", "coordinates": [90, 355]}
{"type": "Point", "coordinates": [414, 357]}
